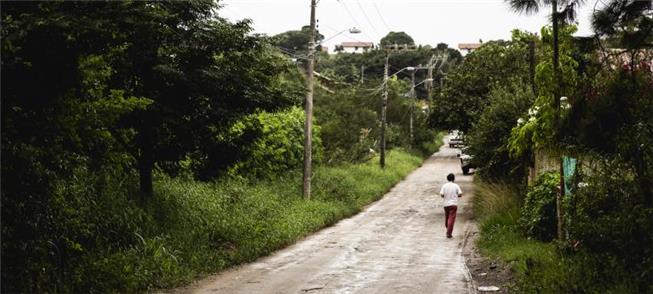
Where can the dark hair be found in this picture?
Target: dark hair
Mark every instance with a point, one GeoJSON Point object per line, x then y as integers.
{"type": "Point", "coordinates": [451, 177]}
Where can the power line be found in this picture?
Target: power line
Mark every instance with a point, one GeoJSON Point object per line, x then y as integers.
{"type": "Point", "coordinates": [353, 18]}
{"type": "Point", "coordinates": [367, 18]}
{"type": "Point", "coordinates": [346, 35]}
{"type": "Point", "coordinates": [378, 12]}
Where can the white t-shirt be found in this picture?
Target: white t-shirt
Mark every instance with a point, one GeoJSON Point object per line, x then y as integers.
{"type": "Point", "coordinates": [450, 191]}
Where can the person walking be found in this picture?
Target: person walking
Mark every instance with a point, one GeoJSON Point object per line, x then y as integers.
{"type": "Point", "coordinates": [450, 192]}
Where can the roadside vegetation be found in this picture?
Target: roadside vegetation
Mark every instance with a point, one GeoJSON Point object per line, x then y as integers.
{"type": "Point", "coordinates": [155, 142]}
{"type": "Point", "coordinates": [603, 130]}
{"type": "Point", "coordinates": [191, 228]}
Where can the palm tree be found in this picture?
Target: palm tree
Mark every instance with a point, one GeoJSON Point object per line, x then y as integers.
{"type": "Point", "coordinates": [626, 21]}
{"type": "Point", "coordinates": [567, 14]}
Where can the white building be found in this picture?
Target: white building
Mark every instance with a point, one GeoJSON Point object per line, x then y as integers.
{"type": "Point", "coordinates": [468, 47]}
{"type": "Point", "coordinates": [354, 47]}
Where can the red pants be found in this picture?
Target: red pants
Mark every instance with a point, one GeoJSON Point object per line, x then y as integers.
{"type": "Point", "coordinates": [450, 218]}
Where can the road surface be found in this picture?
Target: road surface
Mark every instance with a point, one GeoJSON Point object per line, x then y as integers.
{"type": "Point", "coordinates": [396, 245]}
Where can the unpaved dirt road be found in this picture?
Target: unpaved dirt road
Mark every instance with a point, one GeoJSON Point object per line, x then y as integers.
{"type": "Point", "coordinates": [396, 245]}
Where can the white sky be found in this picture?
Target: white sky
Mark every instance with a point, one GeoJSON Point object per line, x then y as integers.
{"type": "Point", "coordinates": [427, 21]}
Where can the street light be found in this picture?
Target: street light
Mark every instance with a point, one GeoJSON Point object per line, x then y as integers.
{"type": "Point", "coordinates": [408, 68]}
{"type": "Point", "coordinates": [308, 123]}
{"type": "Point", "coordinates": [353, 30]}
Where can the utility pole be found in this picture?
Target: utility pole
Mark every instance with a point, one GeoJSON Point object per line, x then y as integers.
{"type": "Point", "coordinates": [383, 109]}
{"type": "Point", "coordinates": [388, 50]}
{"type": "Point", "coordinates": [308, 124]}
{"type": "Point", "coordinates": [429, 84]}
{"type": "Point", "coordinates": [556, 93]}
{"type": "Point", "coordinates": [362, 74]}
{"type": "Point", "coordinates": [441, 85]}
{"type": "Point", "coordinates": [412, 102]}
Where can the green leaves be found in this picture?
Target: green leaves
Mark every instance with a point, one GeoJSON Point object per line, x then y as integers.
{"type": "Point", "coordinates": [539, 129]}
{"type": "Point", "coordinates": [538, 218]}
{"type": "Point", "coordinates": [489, 137]}
{"type": "Point", "coordinates": [467, 87]}
{"type": "Point", "coordinates": [277, 143]}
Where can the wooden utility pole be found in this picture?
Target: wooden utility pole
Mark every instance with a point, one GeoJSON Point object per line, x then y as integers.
{"type": "Point", "coordinates": [412, 102]}
{"type": "Point", "coordinates": [429, 77]}
{"type": "Point", "coordinates": [383, 109]}
{"type": "Point", "coordinates": [556, 94]}
{"type": "Point", "coordinates": [308, 124]}
{"type": "Point", "coordinates": [388, 50]}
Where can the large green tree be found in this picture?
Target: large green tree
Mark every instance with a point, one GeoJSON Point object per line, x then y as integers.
{"type": "Point", "coordinates": [466, 88]}
{"type": "Point", "coordinates": [295, 42]}
{"type": "Point", "coordinates": [399, 38]}
{"type": "Point", "coordinates": [95, 94]}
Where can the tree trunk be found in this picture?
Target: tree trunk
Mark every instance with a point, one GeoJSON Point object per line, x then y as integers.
{"type": "Point", "coordinates": [145, 162]}
{"type": "Point", "coordinates": [531, 59]}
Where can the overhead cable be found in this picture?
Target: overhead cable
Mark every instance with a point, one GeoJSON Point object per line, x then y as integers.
{"type": "Point", "coordinates": [381, 16]}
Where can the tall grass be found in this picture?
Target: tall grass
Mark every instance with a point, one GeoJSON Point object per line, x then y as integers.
{"type": "Point", "coordinates": [537, 266]}
{"type": "Point", "coordinates": [195, 228]}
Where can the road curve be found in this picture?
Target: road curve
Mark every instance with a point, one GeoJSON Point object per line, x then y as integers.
{"type": "Point", "coordinates": [396, 245]}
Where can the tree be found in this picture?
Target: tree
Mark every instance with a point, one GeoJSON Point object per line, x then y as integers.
{"type": "Point", "coordinates": [347, 67]}
{"type": "Point", "coordinates": [488, 139]}
{"type": "Point", "coordinates": [121, 89]}
{"type": "Point", "coordinates": [181, 66]}
{"type": "Point", "coordinates": [467, 86]}
{"type": "Point", "coordinates": [296, 42]}
{"type": "Point", "coordinates": [568, 13]}
{"type": "Point", "coordinates": [628, 21]}
{"type": "Point", "coordinates": [400, 38]}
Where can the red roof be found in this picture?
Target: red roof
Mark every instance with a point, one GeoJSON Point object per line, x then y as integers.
{"type": "Point", "coordinates": [468, 46]}
{"type": "Point", "coordinates": [357, 44]}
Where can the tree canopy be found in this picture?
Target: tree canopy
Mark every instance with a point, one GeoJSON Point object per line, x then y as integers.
{"type": "Point", "coordinates": [400, 38]}
{"type": "Point", "coordinates": [467, 86]}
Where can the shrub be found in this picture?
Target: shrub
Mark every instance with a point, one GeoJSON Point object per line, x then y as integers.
{"type": "Point", "coordinates": [610, 223]}
{"type": "Point", "coordinates": [538, 214]}
{"type": "Point", "coordinates": [276, 143]}
{"type": "Point", "coordinates": [95, 240]}
{"type": "Point", "coordinates": [489, 137]}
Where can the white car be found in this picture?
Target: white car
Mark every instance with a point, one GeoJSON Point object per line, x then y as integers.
{"type": "Point", "coordinates": [455, 139]}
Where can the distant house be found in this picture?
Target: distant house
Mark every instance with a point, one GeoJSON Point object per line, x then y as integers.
{"type": "Point", "coordinates": [616, 57]}
{"type": "Point", "coordinates": [468, 47]}
{"type": "Point", "coordinates": [354, 47]}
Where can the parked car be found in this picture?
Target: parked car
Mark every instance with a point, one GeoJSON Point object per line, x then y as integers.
{"type": "Point", "coordinates": [455, 139]}
{"type": "Point", "coordinates": [466, 162]}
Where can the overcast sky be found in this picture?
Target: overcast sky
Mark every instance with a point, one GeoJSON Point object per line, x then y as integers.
{"type": "Point", "coordinates": [427, 21]}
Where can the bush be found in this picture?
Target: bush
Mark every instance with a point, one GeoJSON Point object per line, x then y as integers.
{"type": "Point", "coordinates": [96, 240]}
{"type": "Point", "coordinates": [489, 136]}
{"type": "Point", "coordinates": [611, 225]}
{"type": "Point", "coordinates": [349, 124]}
{"type": "Point", "coordinates": [271, 143]}
{"type": "Point", "coordinates": [51, 239]}
{"type": "Point", "coordinates": [538, 214]}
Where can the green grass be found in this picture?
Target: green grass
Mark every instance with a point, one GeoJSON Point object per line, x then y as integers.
{"type": "Point", "coordinates": [194, 228]}
{"type": "Point", "coordinates": [539, 267]}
